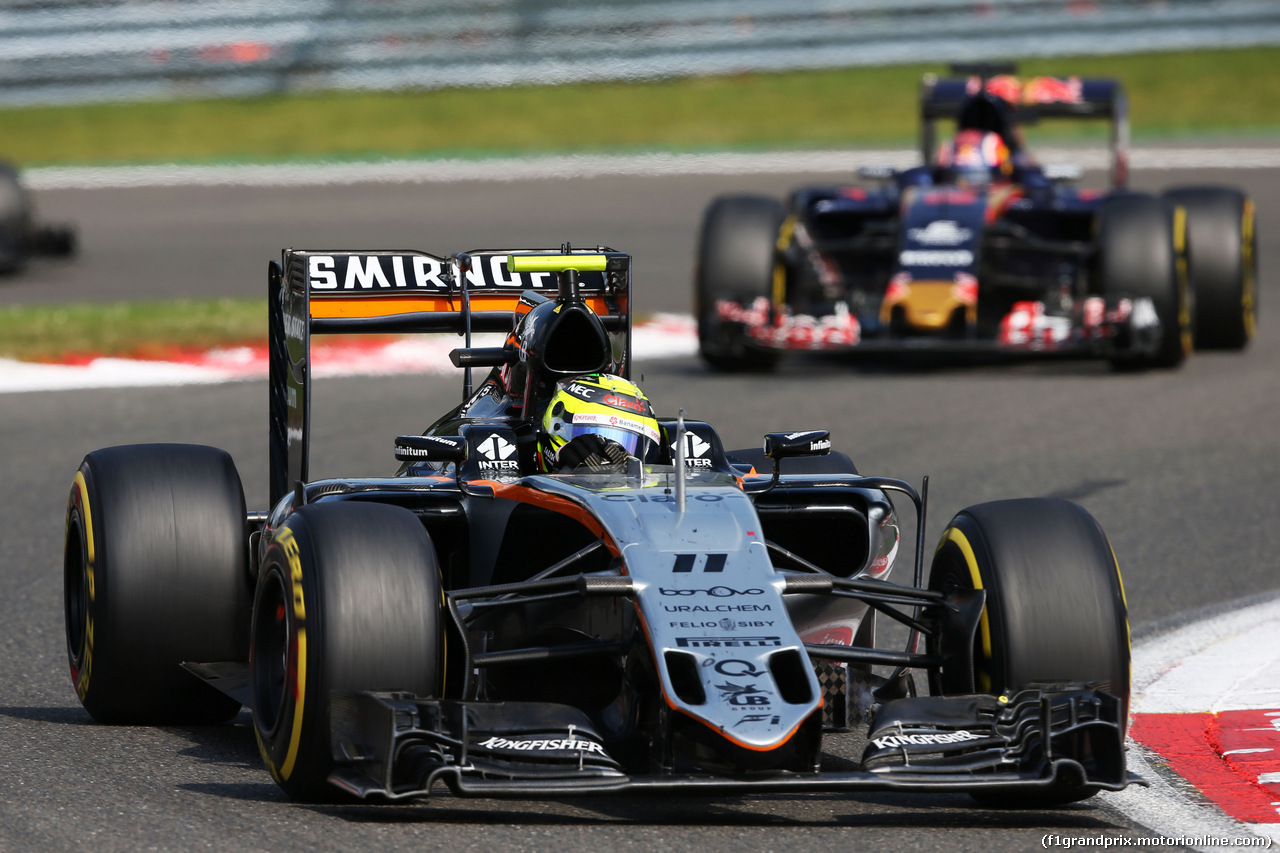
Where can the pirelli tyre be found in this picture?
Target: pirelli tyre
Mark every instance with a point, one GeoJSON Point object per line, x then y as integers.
{"type": "Point", "coordinates": [1055, 608]}
{"type": "Point", "coordinates": [1222, 263]}
{"type": "Point", "coordinates": [735, 262]}
{"type": "Point", "coordinates": [348, 598]}
{"type": "Point", "coordinates": [1138, 244]}
{"type": "Point", "coordinates": [155, 572]}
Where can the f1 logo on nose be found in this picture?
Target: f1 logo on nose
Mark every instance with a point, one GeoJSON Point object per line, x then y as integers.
{"type": "Point", "coordinates": [686, 562]}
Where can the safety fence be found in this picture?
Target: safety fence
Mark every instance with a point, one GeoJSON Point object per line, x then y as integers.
{"type": "Point", "coordinates": [79, 50]}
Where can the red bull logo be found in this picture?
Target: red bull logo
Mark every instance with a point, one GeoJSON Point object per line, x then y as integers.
{"type": "Point", "coordinates": [1005, 86]}
{"type": "Point", "coordinates": [1037, 90]}
{"type": "Point", "coordinates": [1053, 90]}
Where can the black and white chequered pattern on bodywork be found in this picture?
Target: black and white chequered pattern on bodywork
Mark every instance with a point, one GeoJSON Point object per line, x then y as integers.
{"type": "Point", "coordinates": [832, 679]}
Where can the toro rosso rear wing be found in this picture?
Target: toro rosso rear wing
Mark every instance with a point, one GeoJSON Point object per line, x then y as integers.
{"type": "Point", "coordinates": [1028, 99]}
{"type": "Point", "coordinates": [340, 292]}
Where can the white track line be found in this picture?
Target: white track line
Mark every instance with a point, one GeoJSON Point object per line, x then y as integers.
{"type": "Point", "coordinates": [596, 165]}
{"type": "Point", "coordinates": [663, 336]}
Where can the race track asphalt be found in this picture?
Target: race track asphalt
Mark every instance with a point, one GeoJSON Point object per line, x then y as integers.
{"type": "Point", "coordinates": [1180, 468]}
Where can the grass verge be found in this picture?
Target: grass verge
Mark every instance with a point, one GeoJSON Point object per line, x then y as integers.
{"type": "Point", "coordinates": [1192, 93]}
{"type": "Point", "coordinates": [129, 329]}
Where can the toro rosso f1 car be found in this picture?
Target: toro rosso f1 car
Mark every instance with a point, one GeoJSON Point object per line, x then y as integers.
{"type": "Point", "coordinates": [687, 619]}
{"type": "Point", "coordinates": [980, 250]}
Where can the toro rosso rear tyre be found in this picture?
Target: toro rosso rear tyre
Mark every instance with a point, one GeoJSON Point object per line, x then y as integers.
{"type": "Point", "coordinates": [1221, 263]}
{"type": "Point", "coordinates": [1137, 256]}
{"type": "Point", "coordinates": [1055, 607]}
{"type": "Point", "coordinates": [736, 251]}
{"type": "Point", "coordinates": [348, 598]}
{"type": "Point", "coordinates": [155, 573]}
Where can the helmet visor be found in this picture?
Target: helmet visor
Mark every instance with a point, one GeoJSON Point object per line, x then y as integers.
{"type": "Point", "coordinates": [634, 436]}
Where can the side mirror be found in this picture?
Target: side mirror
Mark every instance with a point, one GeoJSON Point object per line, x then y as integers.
{"type": "Point", "coordinates": [781, 445]}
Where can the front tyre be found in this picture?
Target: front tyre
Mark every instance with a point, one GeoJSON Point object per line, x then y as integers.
{"type": "Point", "coordinates": [736, 254]}
{"type": "Point", "coordinates": [155, 572]}
{"type": "Point", "coordinates": [348, 598]}
{"type": "Point", "coordinates": [1137, 257]}
{"type": "Point", "coordinates": [1055, 608]}
{"type": "Point", "coordinates": [1221, 264]}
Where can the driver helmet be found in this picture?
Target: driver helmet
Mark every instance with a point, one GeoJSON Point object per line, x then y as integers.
{"type": "Point", "coordinates": [975, 157]}
{"type": "Point", "coordinates": [608, 407]}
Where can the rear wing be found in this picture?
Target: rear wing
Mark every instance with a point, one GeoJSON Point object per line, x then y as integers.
{"type": "Point", "coordinates": [1029, 99]}
{"type": "Point", "coordinates": [312, 292]}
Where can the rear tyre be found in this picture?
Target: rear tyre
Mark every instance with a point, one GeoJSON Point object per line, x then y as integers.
{"type": "Point", "coordinates": [348, 598]}
{"type": "Point", "coordinates": [1221, 264]}
{"type": "Point", "coordinates": [1055, 608]}
{"type": "Point", "coordinates": [1136, 257]}
{"type": "Point", "coordinates": [736, 251]}
{"type": "Point", "coordinates": [155, 573]}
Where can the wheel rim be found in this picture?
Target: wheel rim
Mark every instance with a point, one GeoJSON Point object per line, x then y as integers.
{"type": "Point", "coordinates": [272, 652]}
{"type": "Point", "coordinates": [76, 592]}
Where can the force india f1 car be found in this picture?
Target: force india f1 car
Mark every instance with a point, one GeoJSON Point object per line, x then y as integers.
{"type": "Point", "coordinates": [698, 620]}
{"type": "Point", "coordinates": [1008, 258]}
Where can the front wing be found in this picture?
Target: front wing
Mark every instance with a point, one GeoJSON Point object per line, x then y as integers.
{"type": "Point", "coordinates": [397, 746]}
{"type": "Point", "coordinates": [1095, 327]}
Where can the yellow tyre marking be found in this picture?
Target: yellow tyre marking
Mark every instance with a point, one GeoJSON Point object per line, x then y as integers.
{"type": "Point", "coordinates": [296, 736]}
{"type": "Point", "coordinates": [88, 521]}
{"type": "Point", "coordinates": [1186, 333]}
{"type": "Point", "coordinates": [975, 576]}
{"type": "Point", "coordinates": [785, 233]}
{"type": "Point", "coordinates": [290, 547]}
{"type": "Point", "coordinates": [1128, 634]}
{"type": "Point", "coordinates": [86, 666]}
{"type": "Point", "coordinates": [1247, 261]}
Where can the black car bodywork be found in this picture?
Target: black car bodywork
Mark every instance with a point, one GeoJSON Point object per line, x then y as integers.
{"type": "Point", "coordinates": [22, 236]}
{"type": "Point", "coordinates": [701, 621]}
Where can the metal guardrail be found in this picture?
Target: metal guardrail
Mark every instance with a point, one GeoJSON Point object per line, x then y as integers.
{"type": "Point", "coordinates": [61, 51]}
